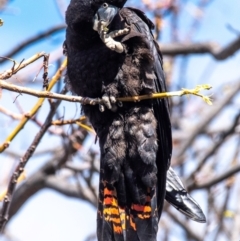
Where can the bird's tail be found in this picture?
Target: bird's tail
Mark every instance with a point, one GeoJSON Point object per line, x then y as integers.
{"type": "Point", "coordinates": [135, 222]}
{"type": "Point", "coordinates": [178, 197]}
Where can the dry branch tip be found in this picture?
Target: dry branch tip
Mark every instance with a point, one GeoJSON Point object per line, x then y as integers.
{"type": "Point", "coordinates": [196, 91]}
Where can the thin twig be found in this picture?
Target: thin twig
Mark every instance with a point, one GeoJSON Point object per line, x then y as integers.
{"type": "Point", "coordinates": [32, 40]}
{"type": "Point", "coordinates": [193, 235]}
{"type": "Point", "coordinates": [67, 122]}
{"type": "Point", "coordinates": [190, 180]}
{"type": "Point", "coordinates": [39, 179]}
{"type": "Point", "coordinates": [33, 110]}
{"type": "Point", "coordinates": [206, 119]}
{"type": "Point", "coordinates": [221, 214]}
{"type": "Point", "coordinates": [10, 113]}
{"type": "Point", "coordinates": [45, 73]}
{"type": "Point", "coordinates": [16, 67]}
{"type": "Point", "coordinates": [22, 163]}
{"type": "Point", "coordinates": [20, 179]}
{"type": "Point", "coordinates": [76, 121]}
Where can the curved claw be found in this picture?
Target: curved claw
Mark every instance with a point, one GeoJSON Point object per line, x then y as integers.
{"type": "Point", "coordinates": [120, 104]}
{"type": "Point", "coordinates": [101, 108]}
{"type": "Point", "coordinates": [111, 43]}
{"type": "Point", "coordinates": [109, 102]}
{"type": "Point", "coordinates": [113, 99]}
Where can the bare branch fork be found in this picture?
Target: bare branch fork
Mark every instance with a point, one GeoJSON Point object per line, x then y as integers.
{"type": "Point", "coordinates": [213, 49]}
{"type": "Point", "coordinates": [18, 66]}
{"type": "Point", "coordinates": [22, 163]}
{"type": "Point", "coordinates": [39, 103]}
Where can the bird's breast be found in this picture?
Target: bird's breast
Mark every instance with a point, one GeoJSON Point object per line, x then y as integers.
{"type": "Point", "coordinates": [92, 68]}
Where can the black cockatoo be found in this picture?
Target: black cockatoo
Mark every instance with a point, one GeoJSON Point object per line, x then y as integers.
{"type": "Point", "coordinates": [112, 53]}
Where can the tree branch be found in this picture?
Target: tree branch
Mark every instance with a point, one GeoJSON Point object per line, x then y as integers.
{"type": "Point", "coordinates": [212, 113]}
{"type": "Point", "coordinates": [213, 49]}
{"type": "Point", "coordinates": [186, 228]}
{"type": "Point", "coordinates": [97, 101]}
{"type": "Point", "coordinates": [216, 180]}
{"type": "Point", "coordinates": [37, 181]}
{"type": "Point", "coordinates": [33, 111]}
{"type": "Point", "coordinates": [171, 49]}
{"type": "Point", "coordinates": [11, 114]}
{"type": "Point", "coordinates": [32, 40]}
{"type": "Point", "coordinates": [61, 185]}
{"type": "Point", "coordinates": [190, 179]}
{"type": "Point", "coordinates": [22, 163]}
{"type": "Point", "coordinates": [16, 67]}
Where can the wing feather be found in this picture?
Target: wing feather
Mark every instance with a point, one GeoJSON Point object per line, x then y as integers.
{"type": "Point", "coordinates": [161, 106]}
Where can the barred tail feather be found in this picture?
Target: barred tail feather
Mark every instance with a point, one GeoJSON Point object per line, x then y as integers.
{"type": "Point", "coordinates": [135, 222]}
{"type": "Point", "coordinates": [109, 225]}
{"type": "Point", "coordinates": [145, 218]}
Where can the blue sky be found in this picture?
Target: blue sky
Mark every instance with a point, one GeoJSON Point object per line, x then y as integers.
{"type": "Point", "coordinates": [47, 215]}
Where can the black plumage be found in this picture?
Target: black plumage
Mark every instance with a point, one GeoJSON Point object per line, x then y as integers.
{"type": "Point", "coordinates": [135, 139]}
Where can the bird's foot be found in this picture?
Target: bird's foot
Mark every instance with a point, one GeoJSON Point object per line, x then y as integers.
{"type": "Point", "coordinates": [108, 101]}
{"type": "Point", "coordinates": [111, 43]}
{"type": "Point", "coordinates": [102, 20]}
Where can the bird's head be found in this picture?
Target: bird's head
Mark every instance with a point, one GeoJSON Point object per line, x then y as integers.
{"type": "Point", "coordinates": [81, 15]}
{"type": "Point", "coordinates": [116, 3]}
{"type": "Point", "coordinates": [104, 15]}
{"type": "Point", "coordinates": [84, 10]}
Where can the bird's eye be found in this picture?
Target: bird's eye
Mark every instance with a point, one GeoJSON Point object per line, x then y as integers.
{"type": "Point", "coordinates": [105, 5]}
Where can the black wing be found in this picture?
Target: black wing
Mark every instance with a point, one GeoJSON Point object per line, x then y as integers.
{"type": "Point", "coordinates": [161, 106]}
{"type": "Point", "coordinates": [176, 195]}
